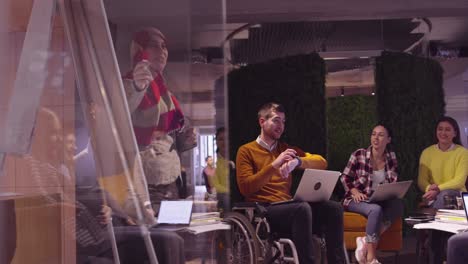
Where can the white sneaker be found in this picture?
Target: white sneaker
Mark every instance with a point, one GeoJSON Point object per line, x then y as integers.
{"type": "Point", "coordinates": [374, 261]}
{"type": "Point", "coordinates": [360, 252]}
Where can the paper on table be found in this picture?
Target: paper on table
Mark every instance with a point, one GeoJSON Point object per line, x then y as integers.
{"type": "Point", "coordinates": [205, 215]}
{"type": "Point", "coordinates": [447, 227]}
{"type": "Point", "coordinates": [207, 228]}
{"type": "Point", "coordinates": [453, 212]}
{"type": "Point", "coordinates": [9, 194]}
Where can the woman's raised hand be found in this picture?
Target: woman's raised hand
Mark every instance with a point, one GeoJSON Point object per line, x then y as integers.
{"type": "Point", "coordinates": [142, 75]}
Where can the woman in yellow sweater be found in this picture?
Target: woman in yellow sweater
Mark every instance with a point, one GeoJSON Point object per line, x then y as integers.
{"type": "Point", "coordinates": [225, 172]}
{"type": "Point", "coordinates": [443, 167]}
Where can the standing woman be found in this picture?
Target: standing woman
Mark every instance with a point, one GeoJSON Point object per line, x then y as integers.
{"type": "Point", "coordinates": [158, 121]}
{"type": "Point", "coordinates": [366, 169]}
{"type": "Point", "coordinates": [443, 167]}
{"type": "Point", "coordinates": [208, 174]}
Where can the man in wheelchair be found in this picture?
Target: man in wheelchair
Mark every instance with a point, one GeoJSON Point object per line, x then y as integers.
{"type": "Point", "coordinates": [264, 169]}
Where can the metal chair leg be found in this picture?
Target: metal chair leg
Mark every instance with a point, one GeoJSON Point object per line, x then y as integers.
{"type": "Point", "coordinates": [346, 253]}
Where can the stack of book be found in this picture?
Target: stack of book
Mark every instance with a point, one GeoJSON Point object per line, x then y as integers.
{"type": "Point", "coordinates": [451, 216]}
{"type": "Point", "coordinates": [205, 218]}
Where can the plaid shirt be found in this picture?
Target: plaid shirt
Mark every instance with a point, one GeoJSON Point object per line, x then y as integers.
{"type": "Point", "coordinates": [357, 173]}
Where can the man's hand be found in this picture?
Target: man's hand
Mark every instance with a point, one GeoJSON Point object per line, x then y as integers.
{"type": "Point", "coordinates": [106, 215]}
{"type": "Point", "coordinates": [142, 75]}
{"type": "Point", "coordinates": [357, 195]}
{"type": "Point", "coordinates": [285, 156]}
{"type": "Point", "coordinates": [287, 167]}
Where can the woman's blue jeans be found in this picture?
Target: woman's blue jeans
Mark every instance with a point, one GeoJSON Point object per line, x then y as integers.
{"type": "Point", "coordinates": [379, 215]}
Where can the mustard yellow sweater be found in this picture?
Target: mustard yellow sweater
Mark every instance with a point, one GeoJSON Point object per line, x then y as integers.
{"type": "Point", "coordinates": [257, 179]}
{"type": "Point", "coordinates": [447, 169]}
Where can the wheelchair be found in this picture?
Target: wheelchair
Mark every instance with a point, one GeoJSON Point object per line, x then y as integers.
{"type": "Point", "coordinates": [250, 239]}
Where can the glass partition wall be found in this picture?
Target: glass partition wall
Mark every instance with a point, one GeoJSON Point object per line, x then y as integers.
{"type": "Point", "coordinates": [37, 122]}
{"type": "Point", "coordinates": [93, 93]}
{"type": "Point", "coordinates": [108, 107]}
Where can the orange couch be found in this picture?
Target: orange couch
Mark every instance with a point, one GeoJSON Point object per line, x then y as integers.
{"type": "Point", "coordinates": [355, 226]}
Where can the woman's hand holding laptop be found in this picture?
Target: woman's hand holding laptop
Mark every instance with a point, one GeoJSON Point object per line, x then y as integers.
{"type": "Point", "coordinates": [358, 196]}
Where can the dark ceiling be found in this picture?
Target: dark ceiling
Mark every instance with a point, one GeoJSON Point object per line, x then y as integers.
{"type": "Point", "coordinates": [274, 40]}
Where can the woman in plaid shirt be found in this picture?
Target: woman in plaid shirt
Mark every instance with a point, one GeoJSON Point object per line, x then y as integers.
{"type": "Point", "coordinates": [366, 169]}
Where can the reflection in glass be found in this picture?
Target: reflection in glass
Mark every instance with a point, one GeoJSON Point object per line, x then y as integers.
{"type": "Point", "coordinates": [30, 82]}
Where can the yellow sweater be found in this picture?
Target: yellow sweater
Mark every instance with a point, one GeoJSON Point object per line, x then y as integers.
{"type": "Point", "coordinates": [221, 179]}
{"type": "Point", "coordinates": [446, 169]}
{"type": "Point", "coordinates": [257, 179]}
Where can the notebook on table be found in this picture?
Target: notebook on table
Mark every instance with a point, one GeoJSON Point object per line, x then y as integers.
{"type": "Point", "coordinates": [315, 186]}
{"type": "Point", "coordinates": [389, 191]}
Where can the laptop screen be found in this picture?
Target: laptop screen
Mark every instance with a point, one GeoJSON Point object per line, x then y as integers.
{"type": "Point", "coordinates": [465, 202]}
{"type": "Point", "coordinates": [175, 212]}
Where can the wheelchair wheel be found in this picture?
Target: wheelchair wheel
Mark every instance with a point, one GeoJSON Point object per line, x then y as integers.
{"type": "Point", "coordinates": [240, 245]}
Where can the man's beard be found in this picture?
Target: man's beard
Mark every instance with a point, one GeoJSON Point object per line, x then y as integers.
{"type": "Point", "coordinates": [274, 136]}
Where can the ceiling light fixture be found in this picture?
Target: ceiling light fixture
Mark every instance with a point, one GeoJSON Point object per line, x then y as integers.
{"type": "Point", "coordinates": [343, 55]}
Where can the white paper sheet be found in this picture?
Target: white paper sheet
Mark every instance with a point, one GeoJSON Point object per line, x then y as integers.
{"type": "Point", "coordinates": [447, 227]}
{"type": "Point", "coordinates": [453, 212]}
{"type": "Point", "coordinates": [207, 228]}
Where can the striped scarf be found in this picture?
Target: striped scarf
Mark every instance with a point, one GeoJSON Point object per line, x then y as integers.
{"type": "Point", "coordinates": [171, 120]}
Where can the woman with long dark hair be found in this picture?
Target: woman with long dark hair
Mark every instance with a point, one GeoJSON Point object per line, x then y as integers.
{"type": "Point", "coordinates": [443, 167]}
{"type": "Point", "coordinates": [366, 169]}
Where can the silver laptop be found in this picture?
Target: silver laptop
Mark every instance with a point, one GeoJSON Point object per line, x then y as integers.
{"type": "Point", "coordinates": [465, 202]}
{"type": "Point", "coordinates": [174, 215]}
{"type": "Point", "coordinates": [315, 186]}
{"type": "Point", "coordinates": [390, 190]}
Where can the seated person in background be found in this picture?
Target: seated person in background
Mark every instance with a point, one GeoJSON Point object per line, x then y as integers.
{"type": "Point", "coordinates": [208, 174]}
{"type": "Point", "coordinates": [457, 252]}
{"type": "Point", "coordinates": [90, 228]}
{"type": "Point", "coordinates": [92, 233]}
{"type": "Point", "coordinates": [443, 167]}
{"type": "Point", "coordinates": [264, 175]}
{"type": "Point", "coordinates": [366, 169]}
{"type": "Point", "coordinates": [225, 171]}
{"type": "Point", "coordinates": [96, 209]}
